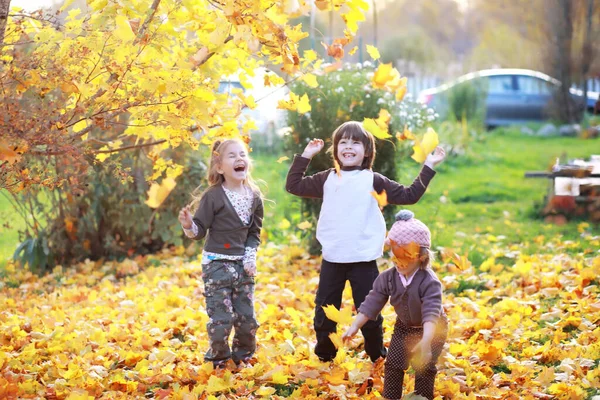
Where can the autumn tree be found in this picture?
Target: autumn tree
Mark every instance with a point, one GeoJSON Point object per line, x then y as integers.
{"type": "Point", "coordinates": [125, 76]}
{"type": "Point", "coordinates": [134, 78]}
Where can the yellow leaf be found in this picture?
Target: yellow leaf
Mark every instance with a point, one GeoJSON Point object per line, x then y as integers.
{"type": "Point", "coordinates": [304, 105]}
{"type": "Point", "coordinates": [284, 224]}
{"type": "Point", "coordinates": [102, 156]}
{"type": "Point", "coordinates": [216, 384]}
{"type": "Point", "coordinates": [351, 52]}
{"type": "Point", "coordinates": [159, 192]}
{"type": "Point", "coordinates": [336, 340]}
{"type": "Point", "coordinates": [422, 149]}
{"type": "Point", "coordinates": [123, 29]}
{"type": "Point", "coordinates": [373, 52]}
{"type": "Point", "coordinates": [371, 125]}
{"type": "Point", "coordinates": [406, 134]}
{"type": "Point", "coordinates": [304, 225]}
{"type": "Point", "coordinates": [343, 317]}
{"type": "Point", "coordinates": [310, 80]}
{"type": "Point", "coordinates": [8, 153]}
{"type": "Point", "coordinates": [218, 36]}
{"type": "Point", "coordinates": [401, 93]}
{"type": "Point", "coordinates": [248, 100]}
{"type": "Point", "coordinates": [282, 159]}
{"type": "Point", "coordinates": [381, 198]}
{"type": "Point", "coordinates": [273, 80]}
{"type": "Point", "coordinates": [310, 55]}
{"type": "Point", "coordinates": [295, 103]}
{"type": "Point", "coordinates": [383, 74]}
{"type": "Point", "coordinates": [265, 391]}
{"type": "Point", "coordinates": [279, 377]}
{"type": "Point", "coordinates": [355, 15]}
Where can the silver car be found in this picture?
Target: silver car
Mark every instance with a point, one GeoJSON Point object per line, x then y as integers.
{"type": "Point", "coordinates": [514, 96]}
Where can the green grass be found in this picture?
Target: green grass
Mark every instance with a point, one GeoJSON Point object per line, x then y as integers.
{"type": "Point", "coordinates": [11, 223]}
{"type": "Point", "coordinates": [279, 204]}
{"type": "Point", "coordinates": [485, 195]}
{"type": "Point", "coordinates": [486, 192]}
{"type": "Point", "coordinates": [475, 199]}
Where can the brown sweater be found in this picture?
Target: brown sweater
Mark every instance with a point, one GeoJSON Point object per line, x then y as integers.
{"type": "Point", "coordinates": [224, 230]}
{"type": "Point", "coordinates": [419, 303]}
{"type": "Point", "coordinates": [312, 186]}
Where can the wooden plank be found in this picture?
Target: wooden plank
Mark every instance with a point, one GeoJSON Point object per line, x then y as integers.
{"type": "Point", "coordinates": [552, 175]}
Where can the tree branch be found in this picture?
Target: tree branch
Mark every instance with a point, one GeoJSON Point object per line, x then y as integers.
{"type": "Point", "coordinates": [146, 23]}
{"type": "Point", "coordinates": [135, 146]}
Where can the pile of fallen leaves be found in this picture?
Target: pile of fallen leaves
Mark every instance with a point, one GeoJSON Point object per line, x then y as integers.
{"type": "Point", "coordinates": [521, 327]}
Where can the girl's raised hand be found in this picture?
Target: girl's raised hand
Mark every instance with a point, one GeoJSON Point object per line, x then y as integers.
{"type": "Point", "coordinates": [433, 159]}
{"type": "Point", "coordinates": [185, 217]}
{"type": "Point", "coordinates": [312, 148]}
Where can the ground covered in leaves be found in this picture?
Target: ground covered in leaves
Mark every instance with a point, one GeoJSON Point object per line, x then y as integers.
{"type": "Point", "coordinates": [521, 327]}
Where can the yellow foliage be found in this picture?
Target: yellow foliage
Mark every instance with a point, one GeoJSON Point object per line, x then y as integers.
{"type": "Point", "coordinates": [159, 192]}
{"type": "Point", "coordinates": [373, 52]}
{"type": "Point", "coordinates": [96, 336]}
{"type": "Point", "coordinates": [422, 148]}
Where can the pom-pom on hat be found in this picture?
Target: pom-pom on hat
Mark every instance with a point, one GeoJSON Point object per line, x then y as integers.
{"type": "Point", "coordinates": [407, 229]}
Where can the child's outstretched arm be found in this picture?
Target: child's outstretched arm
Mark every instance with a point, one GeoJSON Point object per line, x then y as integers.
{"type": "Point", "coordinates": [358, 323]}
{"type": "Point", "coordinates": [431, 309]}
{"type": "Point", "coordinates": [197, 226]}
{"type": "Point", "coordinates": [401, 195]}
{"type": "Point", "coordinates": [371, 306]}
{"type": "Point", "coordinates": [306, 186]}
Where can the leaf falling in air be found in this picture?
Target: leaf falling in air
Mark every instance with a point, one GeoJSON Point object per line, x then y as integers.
{"type": "Point", "coordinates": [424, 147]}
{"type": "Point", "coordinates": [381, 198]}
{"type": "Point", "coordinates": [159, 192]}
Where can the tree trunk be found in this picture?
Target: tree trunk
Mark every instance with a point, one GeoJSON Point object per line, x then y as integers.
{"type": "Point", "coordinates": [560, 16]}
{"type": "Point", "coordinates": [375, 24]}
{"type": "Point", "coordinates": [587, 50]}
{"type": "Point", "coordinates": [4, 7]}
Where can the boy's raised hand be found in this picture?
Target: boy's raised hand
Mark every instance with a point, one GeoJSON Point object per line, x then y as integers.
{"type": "Point", "coordinates": [185, 217]}
{"type": "Point", "coordinates": [312, 148]}
{"type": "Point", "coordinates": [433, 159]}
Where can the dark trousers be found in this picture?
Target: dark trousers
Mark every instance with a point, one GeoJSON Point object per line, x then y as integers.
{"type": "Point", "coordinates": [404, 339]}
{"type": "Point", "coordinates": [332, 281]}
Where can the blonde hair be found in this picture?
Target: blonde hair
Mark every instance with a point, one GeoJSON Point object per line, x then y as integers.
{"type": "Point", "coordinates": [426, 257]}
{"type": "Point", "coordinates": [214, 178]}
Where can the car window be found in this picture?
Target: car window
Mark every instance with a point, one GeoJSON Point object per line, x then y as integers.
{"type": "Point", "coordinates": [531, 85]}
{"type": "Point", "coordinates": [501, 84]}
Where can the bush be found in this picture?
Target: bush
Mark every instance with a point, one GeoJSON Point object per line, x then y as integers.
{"type": "Point", "coordinates": [110, 219]}
{"type": "Point", "coordinates": [467, 101]}
{"type": "Point", "coordinates": [342, 96]}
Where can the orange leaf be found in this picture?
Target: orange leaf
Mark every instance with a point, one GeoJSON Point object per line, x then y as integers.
{"type": "Point", "coordinates": [381, 198]}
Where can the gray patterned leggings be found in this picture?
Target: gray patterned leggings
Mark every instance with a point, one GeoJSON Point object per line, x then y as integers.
{"type": "Point", "coordinates": [229, 294]}
{"type": "Point", "coordinates": [404, 339]}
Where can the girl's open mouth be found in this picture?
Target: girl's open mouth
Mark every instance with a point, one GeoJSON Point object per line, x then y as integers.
{"type": "Point", "coordinates": [239, 168]}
